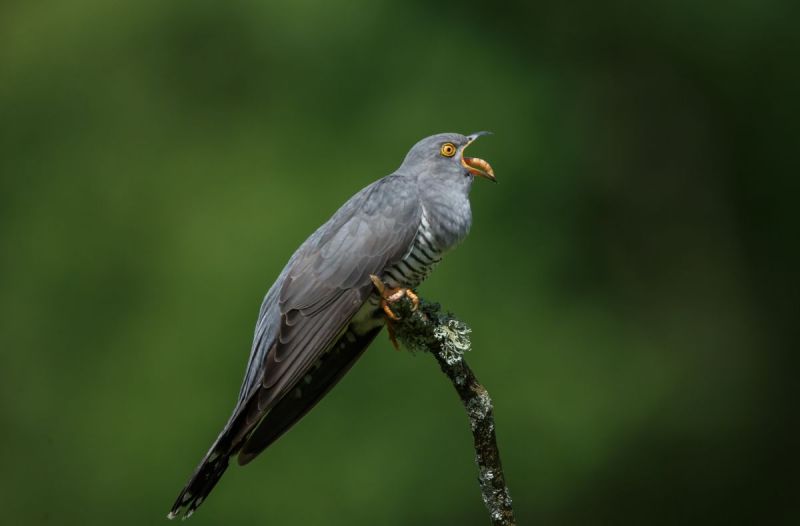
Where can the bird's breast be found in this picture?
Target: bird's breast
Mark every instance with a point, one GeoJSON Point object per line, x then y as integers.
{"type": "Point", "coordinates": [421, 258]}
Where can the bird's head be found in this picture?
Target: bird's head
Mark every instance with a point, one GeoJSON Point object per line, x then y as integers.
{"type": "Point", "coordinates": [442, 155]}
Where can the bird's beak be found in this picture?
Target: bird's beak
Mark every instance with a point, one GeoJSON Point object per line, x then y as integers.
{"type": "Point", "coordinates": [475, 166]}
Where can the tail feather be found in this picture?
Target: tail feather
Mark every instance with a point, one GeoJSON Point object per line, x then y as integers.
{"type": "Point", "coordinates": [203, 480]}
{"type": "Point", "coordinates": [252, 437]}
{"type": "Point", "coordinates": [328, 370]}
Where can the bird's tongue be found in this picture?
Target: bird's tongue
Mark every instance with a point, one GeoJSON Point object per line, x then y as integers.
{"type": "Point", "coordinates": [479, 168]}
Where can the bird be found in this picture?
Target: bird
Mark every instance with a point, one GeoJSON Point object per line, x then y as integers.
{"type": "Point", "coordinates": [336, 293]}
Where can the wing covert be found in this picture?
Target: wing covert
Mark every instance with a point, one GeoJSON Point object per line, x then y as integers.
{"type": "Point", "coordinates": [327, 281]}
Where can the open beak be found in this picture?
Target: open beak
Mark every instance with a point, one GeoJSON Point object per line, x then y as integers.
{"type": "Point", "coordinates": [475, 166]}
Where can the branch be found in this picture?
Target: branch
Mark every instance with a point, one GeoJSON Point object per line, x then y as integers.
{"type": "Point", "coordinates": [447, 339]}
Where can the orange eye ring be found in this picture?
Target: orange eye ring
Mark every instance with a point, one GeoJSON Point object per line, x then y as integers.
{"type": "Point", "coordinates": [448, 149]}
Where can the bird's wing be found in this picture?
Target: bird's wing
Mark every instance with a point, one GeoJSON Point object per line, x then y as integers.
{"type": "Point", "coordinates": [324, 284]}
{"type": "Point", "coordinates": [327, 282]}
{"type": "Point", "coordinates": [329, 368]}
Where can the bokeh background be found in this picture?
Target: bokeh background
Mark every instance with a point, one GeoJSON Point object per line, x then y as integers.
{"type": "Point", "coordinates": [631, 281]}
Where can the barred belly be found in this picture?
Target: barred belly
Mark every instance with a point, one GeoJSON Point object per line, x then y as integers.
{"type": "Point", "coordinates": [420, 260]}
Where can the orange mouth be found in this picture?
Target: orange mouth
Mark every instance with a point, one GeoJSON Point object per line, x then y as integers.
{"type": "Point", "coordinates": [477, 167]}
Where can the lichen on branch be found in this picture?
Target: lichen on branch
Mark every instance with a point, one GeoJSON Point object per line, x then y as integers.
{"type": "Point", "coordinates": [427, 329]}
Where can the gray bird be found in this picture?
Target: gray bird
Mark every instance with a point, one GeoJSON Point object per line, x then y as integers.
{"type": "Point", "coordinates": [335, 295]}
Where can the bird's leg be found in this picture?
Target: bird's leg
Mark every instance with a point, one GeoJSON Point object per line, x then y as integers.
{"type": "Point", "coordinates": [391, 295]}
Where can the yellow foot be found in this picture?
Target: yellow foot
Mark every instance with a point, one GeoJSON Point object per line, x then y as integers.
{"type": "Point", "coordinates": [391, 295]}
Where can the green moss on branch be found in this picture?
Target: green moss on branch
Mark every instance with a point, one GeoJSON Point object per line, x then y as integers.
{"type": "Point", "coordinates": [447, 338]}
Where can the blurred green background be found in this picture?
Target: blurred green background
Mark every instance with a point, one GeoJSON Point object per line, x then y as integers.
{"type": "Point", "coordinates": [631, 281]}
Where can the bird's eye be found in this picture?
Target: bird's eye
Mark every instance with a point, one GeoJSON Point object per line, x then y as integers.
{"type": "Point", "coordinates": [448, 149]}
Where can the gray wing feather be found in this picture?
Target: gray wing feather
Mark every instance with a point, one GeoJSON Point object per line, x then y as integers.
{"type": "Point", "coordinates": [266, 328]}
{"type": "Point", "coordinates": [324, 284]}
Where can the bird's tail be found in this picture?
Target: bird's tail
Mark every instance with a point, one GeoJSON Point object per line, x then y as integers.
{"type": "Point", "coordinates": [204, 478]}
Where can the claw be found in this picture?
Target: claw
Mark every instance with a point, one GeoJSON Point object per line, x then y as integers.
{"type": "Point", "coordinates": [388, 296]}
{"type": "Point", "coordinates": [391, 295]}
{"type": "Point", "coordinates": [414, 299]}
{"type": "Point", "coordinates": [389, 312]}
